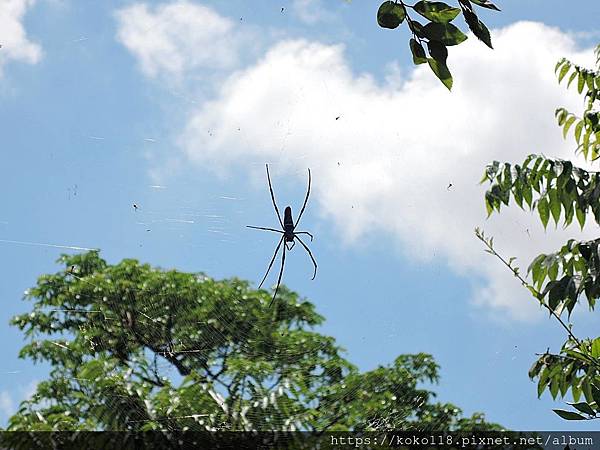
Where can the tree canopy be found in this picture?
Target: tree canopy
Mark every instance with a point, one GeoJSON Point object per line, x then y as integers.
{"type": "Point", "coordinates": [132, 347]}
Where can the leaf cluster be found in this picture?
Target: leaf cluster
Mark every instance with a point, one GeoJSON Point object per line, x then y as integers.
{"type": "Point", "coordinates": [438, 33]}
{"type": "Point", "coordinates": [586, 128]}
{"type": "Point", "coordinates": [574, 369]}
{"type": "Point", "coordinates": [550, 186]}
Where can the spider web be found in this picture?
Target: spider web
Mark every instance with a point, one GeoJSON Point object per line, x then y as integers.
{"type": "Point", "coordinates": [200, 420]}
{"type": "Point", "coordinates": [250, 414]}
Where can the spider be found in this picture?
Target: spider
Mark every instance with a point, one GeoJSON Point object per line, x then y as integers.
{"type": "Point", "coordinates": [289, 234]}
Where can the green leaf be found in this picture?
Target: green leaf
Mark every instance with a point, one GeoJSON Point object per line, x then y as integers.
{"type": "Point", "coordinates": [446, 33]}
{"type": "Point", "coordinates": [596, 395]}
{"type": "Point", "coordinates": [571, 78]}
{"type": "Point", "coordinates": [583, 407]}
{"type": "Point", "coordinates": [580, 83]}
{"type": "Point", "coordinates": [596, 348]}
{"type": "Point", "coordinates": [575, 389]}
{"type": "Point", "coordinates": [588, 391]}
{"type": "Point", "coordinates": [585, 250]}
{"type": "Point", "coordinates": [390, 15]}
{"type": "Point", "coordinates": [589, 80]}
{"type": "Point", "coordinates": [557, 293]}
{"type": "Point", "coordinates": [568, 415]}
{"type": "Point", "coordinates": [536, 265]}
{"type": "Point", "coordinates": [554, 386]}
{"type": "Point", "coordinates": [417, 28]}
{"type": "Point", "coordinates": [533, 291]}
{"type": "Point", "coordinates": [528, 194]}
{"type": "Point", "coordinates": [535, 369]}
{"type": "Point", "coordinates": [436, 11]}
{"type": "Point", "coordinates": [561, 115]}
{"type": "Point", "coordinates": [478, 27]}
{"type": "Point", "coordinates": [567, 125]}
{"type": "Point", "coordinates": [578, 129]}
{"type": "Point", "coordinates": [580, 217]}
{"type": "Point", "coordinates": [92, 370]}
{"type": "Point", "coordinates": [441, 71]}
{"type": "Point", "coordinates": [418, 52]}
{"type": "Point", "coordinates": [543, 381]}
{"type": "Point", "coordinates": [555, 204]}
{"type": "Point", "coordinates": [571, 295]}
{"type": "Point", "coordinates": [553, 271]}
{"type": "Point", "coordinates": [569, 211]}
{"type": "Point", "coordinates": [563, 71]}
{"type": "Point", "coordinates": [543, 211]}
{"type": "Point", "coordinates": [518, 194]}
{"type": "Point", "coordinates": [485, 177]}
{"type": "Point", "coordinates": [486, 4]}
{"type": "Point", "coordinates": [564, 385]}
{"type": "Point", "coordinates": [489, 204]}
{"type": "Point", "coordinates": [438, 51]}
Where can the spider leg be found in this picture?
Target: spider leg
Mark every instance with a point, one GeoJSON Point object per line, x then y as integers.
{"type": "Point", "coordinates": [271, 263]}
{"type": "Point", "coordinates": [273, 197]}
{"type": "Point", "coordinates": [304, 232]}
{"type": "Point", "coordinates": [305, 201]}
{"type": "Point", "coordinates": [266, 229]}
{"type": "Point", "coordinates": [309, 254]}
{"type": "Point", "coordinates": [289, 248]}
{"type": "Point", "coordinates": [279, 278]}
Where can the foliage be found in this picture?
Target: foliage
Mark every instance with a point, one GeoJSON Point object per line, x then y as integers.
{"type": "Point", "coordinates": [139, 348]}
{"type": "Point", "coordinates": [587, 127]}
{"type": "Point", "coordinates": [556, 188]}
{"type": "Point", "coordinates": [438, 33]}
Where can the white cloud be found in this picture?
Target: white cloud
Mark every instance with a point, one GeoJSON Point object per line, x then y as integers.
{"type": "Point", "coordinates": [29, 389]}
{"type": "Point", "coordinates": [176, 38]}
{"type": "Point", "coordinates": [310, 11]}
{"type": "Point", "coordinates": [386, 163]}
{"type": "Point", "coordinates": [13, 38]}
{"type": "Point", "coordinates": [7, 406]}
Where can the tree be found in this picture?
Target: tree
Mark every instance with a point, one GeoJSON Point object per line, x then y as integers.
{"type": "Point", "coordinates": [438, 33]}
{"type": "Point", "coordinates": [139, 348]}
{"type": "Point", "coordinates": [571, 275]}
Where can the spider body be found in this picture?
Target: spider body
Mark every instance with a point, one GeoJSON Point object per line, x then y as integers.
{"type": "Point", "coordinates": [288, 226]}
{"type": "Point", "coordinates": [288, 234]}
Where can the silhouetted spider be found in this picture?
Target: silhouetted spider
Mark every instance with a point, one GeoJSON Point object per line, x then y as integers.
{"type": "Point", "coordinates": [288, 232]}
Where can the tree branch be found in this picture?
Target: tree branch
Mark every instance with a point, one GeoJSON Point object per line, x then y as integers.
{"type": "Point", "coordinates": [532, 289]}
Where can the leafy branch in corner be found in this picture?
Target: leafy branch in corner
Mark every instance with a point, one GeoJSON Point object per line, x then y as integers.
{"type": "Point", "coordinates": [438, 33]}
{"type": "Point", "coordinates": [577, 367]}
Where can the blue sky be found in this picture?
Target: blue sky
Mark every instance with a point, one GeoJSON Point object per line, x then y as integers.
{"type": "Point", "coordinates": [177, 106]}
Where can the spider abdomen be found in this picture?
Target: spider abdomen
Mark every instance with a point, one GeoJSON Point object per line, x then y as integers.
{"type": "Point", "coordinates": [288, 222]}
